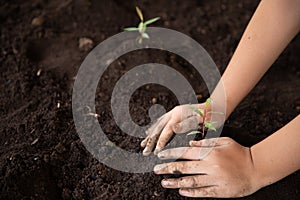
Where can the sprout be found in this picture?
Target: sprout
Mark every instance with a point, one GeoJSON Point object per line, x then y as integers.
{"type": "Point", "coordinates": [142, 25]}
{"type": "Point", "coordinates": [204, 124]}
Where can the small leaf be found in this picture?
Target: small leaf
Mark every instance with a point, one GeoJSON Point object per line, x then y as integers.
{"type": "Point", "coordinates": [139, 12]}
{"type": "Point", "coordinates": [193, 132]}
{"type": "Point", "coordinates": [210, 125]}
{"type": "Point", "coordinates": [145, 35]}
{"type": "Point", "coordinates": [215, 112]}
{"type": "Point", "coordinates": [109, 143]}
{"type": "Point", "coordinates": [150, 21]}
{"type": "Point", "coordinates": [141, 27]}
{"type": "Point", "coordinates": [131, 29]}
{"type": "Point", "coordinates": [196, 110]}
{"type": "Point", "coordinates": [208, 102]}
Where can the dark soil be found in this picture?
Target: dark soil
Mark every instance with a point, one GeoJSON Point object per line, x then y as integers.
{"type": "Point", "coordinates": [41, 154]}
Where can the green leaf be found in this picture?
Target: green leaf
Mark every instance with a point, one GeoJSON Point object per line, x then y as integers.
{"type": "Point", "coordinates": [145, 35]}
{"type": "Point", "coordinates": [211, 122]}
{"type": "Point", "coordinates": [216, 112]}
{"type": "Point", "coordinates": [150, 21]}
{"type": "Point", "coordinates": [208, 101]}
{"type": "Point", "coordinates": [131, 29]}
{"type": "Point", "coordinates": [139, 12]}
{"type": "Point", "coordinates": [109, 143]}
{"type": "Point", "coordinates": [210, 125]}
{"type": "Point", "coordinates": [193, 132]}
{"type": "Point", "coordinates": [196, 110]}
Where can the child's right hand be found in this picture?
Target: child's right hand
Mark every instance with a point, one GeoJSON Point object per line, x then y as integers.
{"type": "Point", "coordinates": [180, 119]}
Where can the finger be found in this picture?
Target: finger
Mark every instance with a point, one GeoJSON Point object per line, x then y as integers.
{"type": "Point", "coordinates": [211, 142]}
{"type": "Point", "coordinates": [186, 125]}
{"type": "Point", "coordinates": [150, 144]}
{"type": "Point", "coordinates": [183, 167]}
{"type": "Point", "coordinates": [144, 142]}
{"type": "Point", "coordinates": [210, 191]}
{"type": "Point", "coordinates": [154, 125]}
{"type": "Point", "coordinates": [193, 181]}
{"type": "Point", "coordinates": [188, 153]}
{"type": "Point", "coordinates": [152, 137]}
{"type": "Point", "coordinates": [165, 136]}
{"type": "Point", "coordinates": [150, 130]}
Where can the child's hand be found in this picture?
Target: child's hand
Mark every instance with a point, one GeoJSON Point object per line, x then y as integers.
{"type": "Point", "coordinates": [226, 171]}
{"type": "Point", "coordinates": [181, 119]}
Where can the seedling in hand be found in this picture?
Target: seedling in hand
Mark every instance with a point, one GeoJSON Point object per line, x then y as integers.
{"type": "Point", "coordinates": [205, 124]}
{"type": "Point", "coordinates": [142, 25]}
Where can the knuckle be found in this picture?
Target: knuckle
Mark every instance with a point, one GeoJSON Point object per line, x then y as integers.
{"type": "Point", "coordinates": [175, 168]}
{"type": "Point", "coordinates": [193, 182]}
{"type": "Point", "coordinates": [211, 192]}
{"type": "Point", "coordinates": [180, 183]}
{"type": "Point", "coordinates": [176, 127]}
{"type": "Point", "coordinates": [150, 141]}
{"type": "Point", "coordinates": [183, 182]}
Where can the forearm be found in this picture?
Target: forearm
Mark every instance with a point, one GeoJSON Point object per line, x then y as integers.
{"type": "Point", "coordinates": [278, 155]}
{"type": "Point", "coordinates": [272, 27]}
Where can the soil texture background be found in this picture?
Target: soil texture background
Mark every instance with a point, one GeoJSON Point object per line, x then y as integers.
{"type": "Point", "coordinates": [42, 156]}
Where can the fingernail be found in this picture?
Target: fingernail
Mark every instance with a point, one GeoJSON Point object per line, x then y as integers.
{"type": "Point", "coordinates": [157, 168]}
{"type": "Point", "coordinates": [191, 143]}
{"type": "Point", "coordinates": [146, 152]}
{"type": "Point", "coordinates": [166, 183]}
{"type": "Point", "coordinates": [161, 155]}
{"type": "Point", "coordinates": [184, 192]}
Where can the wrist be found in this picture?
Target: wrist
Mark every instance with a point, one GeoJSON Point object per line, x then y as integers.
{"type": "Point", "coordinates": [260, 176]}
{"type": "Point", "coordinates": [255, 179]}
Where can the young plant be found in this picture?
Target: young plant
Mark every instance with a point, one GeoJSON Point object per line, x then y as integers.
{"type": "Point", "coordinates": [142, 25]}
{"type": "Point", "coordinates": [205, 124]}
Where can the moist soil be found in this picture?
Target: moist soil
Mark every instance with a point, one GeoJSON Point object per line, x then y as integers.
{"type": "Point", "coordinates": [41, 154]}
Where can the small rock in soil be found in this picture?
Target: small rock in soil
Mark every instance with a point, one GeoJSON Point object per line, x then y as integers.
{"type": "Point", "coordinates": [35, 141]}
{"type": "Point", "coordinates": [156, 194]}
{"type": "Point", "coordinates": [39, 72]}
{"type": "Point", "coordinates": [85, 43]}
{"type": "Point", "coordinates": [154, 100]}
{"type": "Point", "coordinates": [199, 96]}
{"type": "Point", "coordinates": [37, 21]}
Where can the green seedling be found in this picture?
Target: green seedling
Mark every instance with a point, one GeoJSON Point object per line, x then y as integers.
{"type": "Point", "coordinates": [142, 25]}
{"type": "Point", "coordinates": [110, 144]}
{"type": "Point", "coordinates": [204, 124]}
